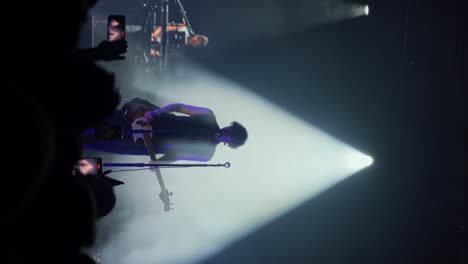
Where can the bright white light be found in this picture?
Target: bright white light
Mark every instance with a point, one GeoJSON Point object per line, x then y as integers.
{"type": "Point", "coordinates": [284, 163]}
{"type": "Point", "coordinates": [356, 160]}
{"type": "Point", "coordinates": [350, 10]}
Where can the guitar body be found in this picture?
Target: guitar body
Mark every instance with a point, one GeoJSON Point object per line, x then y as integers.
{"type": "Point", "coordinates": [140, 123]}
{"type": "Point", "coordinates": [133, 113]}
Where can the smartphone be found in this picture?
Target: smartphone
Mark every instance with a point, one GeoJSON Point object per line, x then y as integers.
{"type": "Point", "coordinates": [87, 166]}
{"type": "Point", "coordinates": [116, 27]}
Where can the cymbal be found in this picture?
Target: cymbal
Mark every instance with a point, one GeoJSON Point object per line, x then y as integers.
{"type": "Point", "coordinates": [128, 28]}
{"type": "Point", "coordinates": [132, 28]}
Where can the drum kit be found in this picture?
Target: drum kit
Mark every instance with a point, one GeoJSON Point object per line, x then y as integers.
{"type": "Point", "coordinates": [155, 37]}
{"type": "Point", "coordinates": [159, 37]}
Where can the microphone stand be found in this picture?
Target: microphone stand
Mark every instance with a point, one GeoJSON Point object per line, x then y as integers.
{"type": "Point", "coordinates": [149, 20]}
{"type": "Point", "coordinates": [162, 165]}
{"type": "Point", "coordinates": [150, 23]}
{"type": "Point", "coordinates": [185, 18]}
{"type": "Point", "coordinates": [163, 195]}
{"type": "Point", "coordinates": [165, 36]}
{"type": "Point", "coordinates": [164, 24]}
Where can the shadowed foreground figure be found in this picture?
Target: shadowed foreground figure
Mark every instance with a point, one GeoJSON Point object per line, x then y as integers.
{"type": "Point", "coordinates": [49, 214]}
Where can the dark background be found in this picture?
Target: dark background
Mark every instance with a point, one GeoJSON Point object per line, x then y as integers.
{"type": "Point", "coordinates": [389, 84]}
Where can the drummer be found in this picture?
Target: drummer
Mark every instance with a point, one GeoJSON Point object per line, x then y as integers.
{"type": "Point", "coordinates": [194, 41]}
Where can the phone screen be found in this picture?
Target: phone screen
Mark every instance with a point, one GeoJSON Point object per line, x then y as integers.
{"type": "Point", "coordinates": [88, 166]}
{"type": "Point", "coordinates": [115, 27]}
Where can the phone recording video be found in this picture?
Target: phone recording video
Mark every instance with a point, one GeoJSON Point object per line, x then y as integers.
{"type": "Point", "coordinates": [88, 166]}
{"type": "Point", "coordinates": [115, 27]}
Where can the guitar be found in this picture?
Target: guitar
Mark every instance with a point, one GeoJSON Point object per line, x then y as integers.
{"type": "Point", "coordinates": [133, 112]}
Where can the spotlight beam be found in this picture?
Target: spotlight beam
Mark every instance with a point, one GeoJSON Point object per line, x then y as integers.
{"type": "Point", "coordinates": [214, 208]}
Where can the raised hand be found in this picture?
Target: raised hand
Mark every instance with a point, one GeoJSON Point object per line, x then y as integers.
{"type": "Point", "coordinates": [112, 50]}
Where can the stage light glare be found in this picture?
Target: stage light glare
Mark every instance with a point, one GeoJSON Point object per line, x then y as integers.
{"type": "Point", "coordinates": [357, 160]}
{"type": "Point", "coordinates": [366, 10]}
{"type": "Point", "coordinates": [367, 161]}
